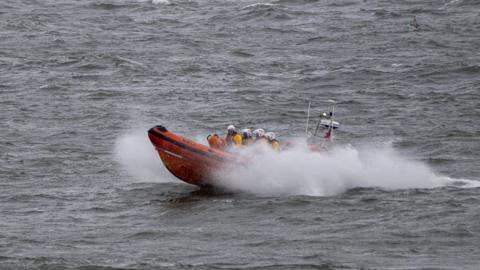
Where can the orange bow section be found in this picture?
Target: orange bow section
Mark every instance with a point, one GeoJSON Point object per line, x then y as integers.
{"type": "Point", "coordinates": [189, 161]}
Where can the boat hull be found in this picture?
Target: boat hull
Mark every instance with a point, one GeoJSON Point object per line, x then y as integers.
{"type": "Point", "coordinates": [189, 161]}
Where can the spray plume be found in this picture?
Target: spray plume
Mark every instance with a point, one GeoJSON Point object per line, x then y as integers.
{"type": "Point", "coordinates": [299, 171]}
{"type": "Point", "coordinates": [296, 171]}
{"type": "Point", "coordinates": [135, 152]}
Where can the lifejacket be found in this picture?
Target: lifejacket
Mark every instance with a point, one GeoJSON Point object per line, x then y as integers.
{"type": "Point", "coordinates": [275, 145]}
{"type": "Point", "coordinates": [235, 139]}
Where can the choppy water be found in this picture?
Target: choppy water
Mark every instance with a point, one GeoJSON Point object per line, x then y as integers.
{"type": "Point", "coordinates": [82, 81]}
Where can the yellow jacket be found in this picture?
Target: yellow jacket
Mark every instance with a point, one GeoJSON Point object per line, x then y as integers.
{"type": "Point", "coordinates": [275, 145]}
{"type": "Point", "coordinates": [237, 139]}
{"type": "Point", "coordinates": [233, 140]}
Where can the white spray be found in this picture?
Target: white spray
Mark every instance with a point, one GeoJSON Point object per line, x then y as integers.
{"type": "Point", "coordinates": [299, 171]}
{"type": "Point", "coordinates": [137, 154]}
{"type": "Point", "coordinates": [296, 171]}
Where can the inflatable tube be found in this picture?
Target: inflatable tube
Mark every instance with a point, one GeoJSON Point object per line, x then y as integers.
{"type": "Point", "coordinates": [189, 161]}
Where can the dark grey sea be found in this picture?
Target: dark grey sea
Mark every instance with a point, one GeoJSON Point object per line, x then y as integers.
{"type": "Point", "coordinates": [81, 82]}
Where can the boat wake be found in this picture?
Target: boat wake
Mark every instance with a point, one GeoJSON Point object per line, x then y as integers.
{"type": "Point", "coordinates": [299, 171]}
{"type": "Point", "coordinates": [296, 171]}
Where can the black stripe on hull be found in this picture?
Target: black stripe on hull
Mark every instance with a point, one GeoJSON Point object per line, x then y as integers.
{"type": "Point", "coordinates": [184, 146]}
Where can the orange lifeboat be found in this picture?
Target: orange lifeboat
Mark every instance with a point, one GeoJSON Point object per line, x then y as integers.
{"type": "Point", "coordinates": [191, 162]}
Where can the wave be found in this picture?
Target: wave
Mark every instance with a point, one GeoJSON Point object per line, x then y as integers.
{"type": "Point", "coordinates": [461, 3]}
{"type": "Point", "coordinates": [268, 11]}
{"type": "Point", "coordinates": [161, 2]}
{"type": "Point", "coordinates": [255, 5]}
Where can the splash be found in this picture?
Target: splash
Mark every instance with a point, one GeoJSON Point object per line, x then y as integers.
{"type": "Point", "coordinates": [299, 171]}
{"type": "Point", "coordinates": [296, 171]}
{"type": "Point", "coordinates": [135, 152]}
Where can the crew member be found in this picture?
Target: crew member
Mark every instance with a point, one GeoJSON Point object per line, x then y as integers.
{"type": "Point", "coordinates": [216, 142]}
{"type": "Point", "coordinates": [247, 138]}
{"type": "Point", "coordinates": [272, 141]}
{"type": "Point", "coordinates": [259, 136]}
{"type": "Point", "coordinates": [232, 137]}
